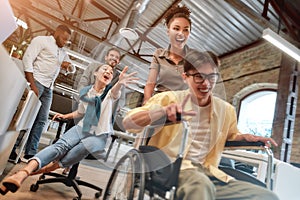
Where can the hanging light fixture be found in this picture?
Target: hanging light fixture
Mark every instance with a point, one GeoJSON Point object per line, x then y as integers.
{"type": "Point", "coordinates": [281, 43]}
{"type": "Point", "coordinates": [129, 31]}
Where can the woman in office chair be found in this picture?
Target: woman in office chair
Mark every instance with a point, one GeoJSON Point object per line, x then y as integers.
{"type": "Point", "coordinates": [88, 136]}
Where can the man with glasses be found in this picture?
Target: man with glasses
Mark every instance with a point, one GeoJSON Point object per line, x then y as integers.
{"type": "Point", "coordinates": [212, 122]}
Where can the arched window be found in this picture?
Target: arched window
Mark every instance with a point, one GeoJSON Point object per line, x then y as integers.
{"type": "Point", "coordinates": [255, 107]}
{"type": "Point", "coordinates": [257, 112]}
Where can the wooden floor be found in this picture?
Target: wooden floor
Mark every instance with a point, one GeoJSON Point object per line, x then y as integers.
{"type": "Point", "coordinates": [93, 171]}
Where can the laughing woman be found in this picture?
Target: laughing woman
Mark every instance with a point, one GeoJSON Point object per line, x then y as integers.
{"type": "Point", "coordinates": [88, 136]}
{"type": "Point", "coordinates": [167, 64]}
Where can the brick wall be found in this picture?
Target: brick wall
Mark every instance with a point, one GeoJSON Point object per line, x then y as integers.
{"type": "Point", "coordinates": [258, 64]}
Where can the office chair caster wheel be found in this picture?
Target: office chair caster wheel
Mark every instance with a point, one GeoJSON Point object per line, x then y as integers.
{"type": "Point", "coordinates": [97, 195]}
{"type": "Point", "coordinates": [34, 187]}
{"type": "Point", "coordinates": [42, 177]}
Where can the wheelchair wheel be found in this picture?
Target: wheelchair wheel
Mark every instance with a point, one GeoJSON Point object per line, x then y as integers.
{"type": "Point", "coordinates": [127, 180]}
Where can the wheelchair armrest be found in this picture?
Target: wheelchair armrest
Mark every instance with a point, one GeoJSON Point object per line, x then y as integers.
{"type": "Point", "coordinates": [244, 145]}
{"type": "Point", "coordinates": [149, 131]}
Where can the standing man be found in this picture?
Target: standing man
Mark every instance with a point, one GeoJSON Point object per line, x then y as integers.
{"type": "Point", "coordinates": [42, 61]}
{"type": "Point", "coordinates": [112, 58]}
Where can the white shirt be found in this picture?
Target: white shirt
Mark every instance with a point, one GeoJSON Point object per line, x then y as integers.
{"type": "Point", "coordinates": [200, 133]}
{"type": "Point", "coordinates": [105, 120]}
{"type": "Point", "coordinates": [43, 58]}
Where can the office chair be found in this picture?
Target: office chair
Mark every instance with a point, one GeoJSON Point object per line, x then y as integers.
{"type": "Point", "coordinates": [69, 180]}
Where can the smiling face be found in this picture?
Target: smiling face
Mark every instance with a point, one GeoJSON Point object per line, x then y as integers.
{"type": "Point", "coordinates": [61, 38]}
{"type": "Point", "coordinates": [201, 76]}
{"type": "Point", "coordinates": [104, 74]}
{"type": "Point", "coordinates": [201, 91]}
{"type": "Point", "coordinates": [112, 58]}
{"type": "Point", "coordinates": [178, 32]}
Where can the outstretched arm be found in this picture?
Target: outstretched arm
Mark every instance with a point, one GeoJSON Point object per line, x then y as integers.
{"type": "Point", "coordinates": [143, 118]}
{"type": "Point", "coordinates": [124, 79]}
{"type": "Point", "coordinates": [71, 115]}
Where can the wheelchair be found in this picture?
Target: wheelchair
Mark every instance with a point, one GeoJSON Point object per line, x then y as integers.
{"type": "Point", "coordinates": [148, 173]}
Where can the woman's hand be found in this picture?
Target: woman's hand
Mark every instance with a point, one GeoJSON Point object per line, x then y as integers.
{"type": "Point", "coordinates": [125, 79]}
{"type": "Point", "coordinates": [59, 116]}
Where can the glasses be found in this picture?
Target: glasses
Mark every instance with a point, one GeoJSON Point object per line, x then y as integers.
{"type": "Point", "coordinates": [200, 77]}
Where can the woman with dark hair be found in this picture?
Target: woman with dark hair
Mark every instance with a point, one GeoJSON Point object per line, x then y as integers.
{"type": "Point", "coordinates": [167, 64]}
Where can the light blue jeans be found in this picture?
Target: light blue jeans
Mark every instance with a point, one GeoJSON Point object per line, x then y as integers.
{"type": "Point", "coordinates": [45, 96]}
{"type": "Point", "coordinates": [72, 147]}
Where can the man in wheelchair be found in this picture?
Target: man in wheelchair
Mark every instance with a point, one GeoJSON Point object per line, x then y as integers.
{"type": "Point", "coordinates": [212, 122]}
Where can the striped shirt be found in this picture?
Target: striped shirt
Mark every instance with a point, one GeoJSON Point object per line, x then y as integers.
{"type": "Point", "coordinates": [200, 133]}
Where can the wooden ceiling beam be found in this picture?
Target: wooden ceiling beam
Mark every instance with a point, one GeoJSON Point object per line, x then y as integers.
{"type": "Point", "coordinates": [281, 11]}
{"type": "Point", "coordinates": [242, 7]}
{"type": "Point", "coordinates": [113, 17]}
{"type": "Point", "coordinates": [33, 10]}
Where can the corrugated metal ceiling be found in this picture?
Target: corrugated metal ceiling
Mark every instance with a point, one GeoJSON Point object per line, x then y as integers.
{"type": "Point", "coordinates": [222, 26]}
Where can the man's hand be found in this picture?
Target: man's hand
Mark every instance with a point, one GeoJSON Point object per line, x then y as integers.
{"type": "Point", "coordinates": [30, 80]}
{"type": "Point", "coordinates": [253, 138]}
{"type": "Point", "coordinates": [173, 109]}
{"type": "Point", "coordinates": [65, 65]}
{"type": "Point", "coordinates": [34, 89]}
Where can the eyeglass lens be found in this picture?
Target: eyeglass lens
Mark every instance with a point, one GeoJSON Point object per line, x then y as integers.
{"type": "Point", "coordinates": [200, 77]}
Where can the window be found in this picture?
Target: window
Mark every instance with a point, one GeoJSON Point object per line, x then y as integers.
{"type": "Point", "coordinates": [257, 112]}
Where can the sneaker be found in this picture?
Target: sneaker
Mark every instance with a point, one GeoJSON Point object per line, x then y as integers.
{"type": "Point", "coordinates": [90, 157]}
{"type": "Point", "coordinates": [66, 171]}
{"type": "Point", "coordinates": [28, 156]}
{"type": "Point", "coordinates": [13, 156]}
